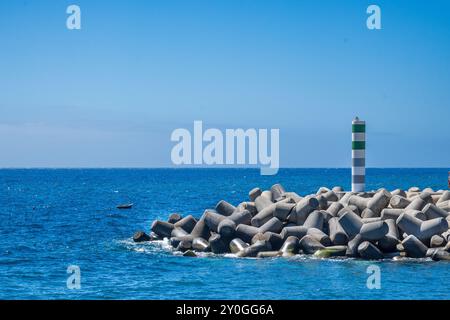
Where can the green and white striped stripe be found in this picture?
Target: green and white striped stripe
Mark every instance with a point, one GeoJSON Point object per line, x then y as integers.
{"type": "Point", "coordinates": [358, 155]}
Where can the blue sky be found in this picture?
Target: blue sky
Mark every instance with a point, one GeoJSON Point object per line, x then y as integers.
{"type": "Point", "coordinates": [110, 94]}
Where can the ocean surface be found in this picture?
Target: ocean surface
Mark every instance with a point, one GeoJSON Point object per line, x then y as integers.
{"type": "Point", "coordinates": [51, 218]}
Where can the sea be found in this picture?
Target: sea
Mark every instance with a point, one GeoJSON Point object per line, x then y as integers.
{"type": "Point", "coordinates": [55, 221]}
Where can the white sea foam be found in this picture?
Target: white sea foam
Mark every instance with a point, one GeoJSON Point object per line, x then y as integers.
{"type": "Point", "coordinates": [146, 247]}
{"type": "Point", "coordinates": [163, 246]}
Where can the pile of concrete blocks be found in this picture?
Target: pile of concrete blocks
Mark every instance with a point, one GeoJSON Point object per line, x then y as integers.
{"type": "Point", "coordinates": [329, 223]}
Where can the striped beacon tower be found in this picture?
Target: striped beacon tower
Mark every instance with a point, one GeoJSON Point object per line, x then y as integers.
{"type": "Point", "coordinates": [358, 155]}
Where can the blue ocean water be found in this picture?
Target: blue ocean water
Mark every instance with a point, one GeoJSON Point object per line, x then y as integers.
{"type": "Point", "coordinates": [51, 219]}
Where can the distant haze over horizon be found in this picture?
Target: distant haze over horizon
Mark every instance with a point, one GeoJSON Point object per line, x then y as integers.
{"type": "Point", "coordinates": [110, 95]}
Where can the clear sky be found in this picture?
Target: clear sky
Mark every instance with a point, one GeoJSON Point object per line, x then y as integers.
{"type": "Point", "coordinates": [110, 94]}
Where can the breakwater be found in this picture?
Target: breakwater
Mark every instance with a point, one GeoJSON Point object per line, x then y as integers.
{"type": "Point", "coordinates": [370, 225]}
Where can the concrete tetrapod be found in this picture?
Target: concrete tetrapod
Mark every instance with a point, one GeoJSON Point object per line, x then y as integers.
{"type": "Point", "coordinates": [351, 223]}
{"type": "Point", "coordinates": [178, 232]}
{"type": "Point", "coordinates": [225, 208]}
{"type": "Point", "coordinates": [379, 201]}
{"type": "Point", "coordinates": [390, 241]}
{"type": "Point", "coordinates": [187, 223]}
{"type": "Point", "coordinates": [431, 211]}
{"type": "Point", "coordinates": [374, 231]}
{"type": "Point", "coordinates": [334, 208]}
{"type": "Point", "coordinates": [262, 202]}
{"type": "Point", "coordinates": [358, 201]}
{"type": "Point", "coordinates": [303, 209]}
{"type": "Point", "coordinates": [245, 232]}
{"type": "Point", "coordinates": [296, 231]}
{"type": "Point", "coordinates": [368, 251]}
{"type": "Point", "coordinates": [241, 217]}
{"type": "Point", "coordinates": [174, 217]}
{"type": "Point", "coordinates": [439, 255]}
{"type": "Point", "coordinates": [423, 230]}
{"type": "Point", "coordinates": [290, 247]}
{"type": "Point", "coordinates": [444, 197]}
{"type": "Point", "coordinates": [162, 228]}
{"type": "Point", "coordinates": [264, 215]}
{"type": "Point", "coordinates": [254, 193]}
{"type": "Point", "coordinates": [320, 236]}
{"type": "Point", "coordinates": [391, 213]}
{"type": "Point", "coordinates": [141, 236]}
{"type": "Point", "coordinates": [310, 245]}
{"type": "Point", "coordinates": [314, 220]}
{"type": "Point", "coordinates": [201, 230]}
{"type": "Point", "coordinates": [254, 249]}
{"type": "Point", "coordinates": [437, 241]}
{"type": "Point", "coordinates": [218, 244]}
{"type": "Point", "coordinates": [338, 236]}
{"type": "Point", "coordinates": [200, 244]}
{"type": "Point", "coordinates": [352, 246]}
{"type": "Point", "coordinates": [273, 225]}
{"type": "Point", "coordinates": [277, 192]}
{"type": "Point", "coordinates": [414, 247]}
{"type": "Point", "coordinates": [332, 251]}
{"type": "Point", "coordinates": [237, 245]}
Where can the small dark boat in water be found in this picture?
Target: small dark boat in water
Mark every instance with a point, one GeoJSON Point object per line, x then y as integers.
{"type": "Point", "coordinates": [125, 206]}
